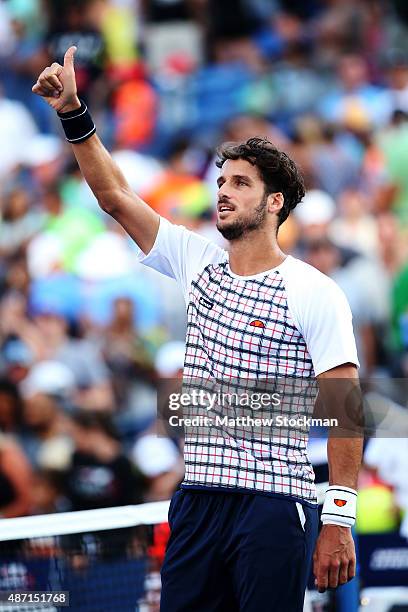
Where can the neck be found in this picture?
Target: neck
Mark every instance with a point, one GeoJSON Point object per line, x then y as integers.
{"type": "Point", "coordinates": [255, 253]}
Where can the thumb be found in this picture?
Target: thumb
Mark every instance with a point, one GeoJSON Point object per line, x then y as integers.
{"type": "Point", "coordinates": [69, 57]}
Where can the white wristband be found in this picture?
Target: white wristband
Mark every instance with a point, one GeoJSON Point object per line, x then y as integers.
{"type": "Point", "coordinates": [339, 506]}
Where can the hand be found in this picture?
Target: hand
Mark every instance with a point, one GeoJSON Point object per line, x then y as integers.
{"type": "Point", "coordinates": [334, 559]}
{"type": "Point", "coordinates": [57, 85]}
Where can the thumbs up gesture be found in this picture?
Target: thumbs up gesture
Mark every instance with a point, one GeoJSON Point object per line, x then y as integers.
{"type": "Point", "coordinates": [57, 85]}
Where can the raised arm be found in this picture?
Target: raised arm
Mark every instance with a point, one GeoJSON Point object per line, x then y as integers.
{"type": "Point", "coordinates": [57, 85]}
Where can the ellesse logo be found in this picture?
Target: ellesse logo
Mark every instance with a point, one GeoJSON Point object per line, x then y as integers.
{"type": "Point", "coordinates": [257, 323]}
{"type": "Point", "coordinates": [340, 502]}
{"type": "Point", "coordinates": [207, 303]}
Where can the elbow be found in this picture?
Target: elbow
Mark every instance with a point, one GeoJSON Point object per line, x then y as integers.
{"type": "Point", "coordinates": [107, 204]}
{"type": "Point", "coordinates": [113, 200]}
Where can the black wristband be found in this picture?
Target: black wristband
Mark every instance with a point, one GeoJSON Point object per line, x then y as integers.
{"type": "Point", "coordinates": [77, 124]}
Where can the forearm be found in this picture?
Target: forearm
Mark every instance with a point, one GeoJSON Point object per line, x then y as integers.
{"type": "Point", "coordinates": [98, 168]}
{"type": "Point", "coordinates": [341, 399]}
{"type": "Point", "coordinates": [344, 456]}
{"type": "Point", "coordinates": [113, 192]}
{"type": "Point", "coordinates": [101, 173]}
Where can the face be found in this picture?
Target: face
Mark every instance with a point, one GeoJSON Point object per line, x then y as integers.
{"type": "Point", "coordinates": [352, 203]}
{"type": "Point", "coordinates": [352, 71]}
{"type": "Point", "coordinates": [51, 325]}
{"type": "Point", "coordinates": [324, 257]}
{"type": "Point", "coordinates": [18, 204]}
{"type": "Point", "coordinates": [39, 411]}
{"type": "Point", "coordinates": [123, 310]}
{"type": "Point", "coordinates": [398, 77]}
{"type": "Point", "coordinates": [242, 203]}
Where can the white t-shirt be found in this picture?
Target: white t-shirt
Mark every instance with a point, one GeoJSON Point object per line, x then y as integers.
{"type": "Point", "coordinates": [291, 322]}
{"type": "Point", "coordinates": [318, 306]}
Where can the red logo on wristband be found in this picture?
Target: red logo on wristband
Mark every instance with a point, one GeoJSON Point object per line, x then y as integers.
{"type": "Point", "coordinates": [340, 502]}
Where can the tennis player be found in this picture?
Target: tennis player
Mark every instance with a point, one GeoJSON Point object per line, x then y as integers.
{"type": "Point", "coordinates": [244, 522]}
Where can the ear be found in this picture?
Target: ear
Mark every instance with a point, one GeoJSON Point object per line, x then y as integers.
{"type": "Point", "coordinates": [275, 202]}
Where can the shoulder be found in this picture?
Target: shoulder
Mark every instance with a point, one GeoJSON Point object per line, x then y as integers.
{"type": "Point", "coordinates": [301, 277]}
{"type": "Point", "coordinates": [183, 247]}
{"type": "Point", "coordinates": [312, 296]}
{"type": "Point", "coordinates": [179, 233]}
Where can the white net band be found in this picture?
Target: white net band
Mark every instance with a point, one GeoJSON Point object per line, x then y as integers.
{"type": "Point", "coordinates": [64, 523]}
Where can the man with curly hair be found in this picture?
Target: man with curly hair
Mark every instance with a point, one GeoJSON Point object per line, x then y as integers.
{"type": "Point", "coordinates": [244, 522]}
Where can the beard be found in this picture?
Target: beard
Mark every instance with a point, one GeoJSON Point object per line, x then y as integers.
{"type": "Point", "coordinates": [240, 228]}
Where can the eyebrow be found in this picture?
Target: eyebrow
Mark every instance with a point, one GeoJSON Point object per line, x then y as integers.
{"type": "Point", "coordinates": [241, 177]}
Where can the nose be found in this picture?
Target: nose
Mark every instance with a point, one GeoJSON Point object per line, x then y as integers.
{"type": "Point", "coordinates": [223, 191]}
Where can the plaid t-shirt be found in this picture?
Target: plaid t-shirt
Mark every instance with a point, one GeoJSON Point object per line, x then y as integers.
{"type": "Point", "coordinates": [284, 326]}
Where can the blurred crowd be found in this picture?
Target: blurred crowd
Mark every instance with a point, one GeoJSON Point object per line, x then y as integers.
{"type": "Point", "coordinates": [85, 331]}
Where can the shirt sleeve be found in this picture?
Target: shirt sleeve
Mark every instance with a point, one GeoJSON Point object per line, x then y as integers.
{"type": "Point", "coordinates": [323, 316]}
{"type": "Point", "coordinates": [180, 254]}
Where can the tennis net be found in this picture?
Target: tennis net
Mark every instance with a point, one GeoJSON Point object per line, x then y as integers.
{"type": "Point", "coordinates": [92, 561]}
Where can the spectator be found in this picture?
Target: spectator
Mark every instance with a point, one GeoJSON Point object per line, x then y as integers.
{"type": "Point", "coordinates": [160, 461]}
{"type": "Point", "coordinates": [326, 257]}
{"type": "Point", "coordinates": [397, 76]}
{"type": "Point", "coordinates": [16, 128]}
{"type": "Point", "coordinates": [99, 474]}
{"type": "Point", "coordinates": [388, 458]}
{"type": "Point", "coordinates": [355, 103]}
{"type": "Point", "coordinates": [47, 388]}
{"type": "Point", "coordinates": [393, 145]}
{"type": "Point", "coordinates": [126, 351]}
{"type": "Point", "coordinates": [355, 228]}
{"type": "Point", "coordinates": [47, 491]}
{"type": "Point", "coordinates": [15, 479]}
{"type": "Point", "coordinates": [80, 356]}
{"type": "Point", "coordinates": [78, 23]}
{"type": "Point", "coordinates": [315, 214]}
{"type": "Point", "coordinates": [19, 222]}
{"type": "Point", "coordinates": [179, 192]}
{"type": "Point", "coordinates": [18, 337]}
{"type": "Point", "coordinates": [11, 408]}
{"type": "Point", "coordinates": [333, 166]}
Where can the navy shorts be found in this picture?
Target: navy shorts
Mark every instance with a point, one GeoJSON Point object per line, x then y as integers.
{"type": "Point", "coordinates": [232, 552]}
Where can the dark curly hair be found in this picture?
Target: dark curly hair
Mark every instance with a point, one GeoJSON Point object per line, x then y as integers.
{"type": "Point", "coordinates": [277, 170]}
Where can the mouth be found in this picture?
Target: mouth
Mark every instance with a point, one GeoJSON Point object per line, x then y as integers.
{"type": "Point", "coordinates": [224, 208]}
